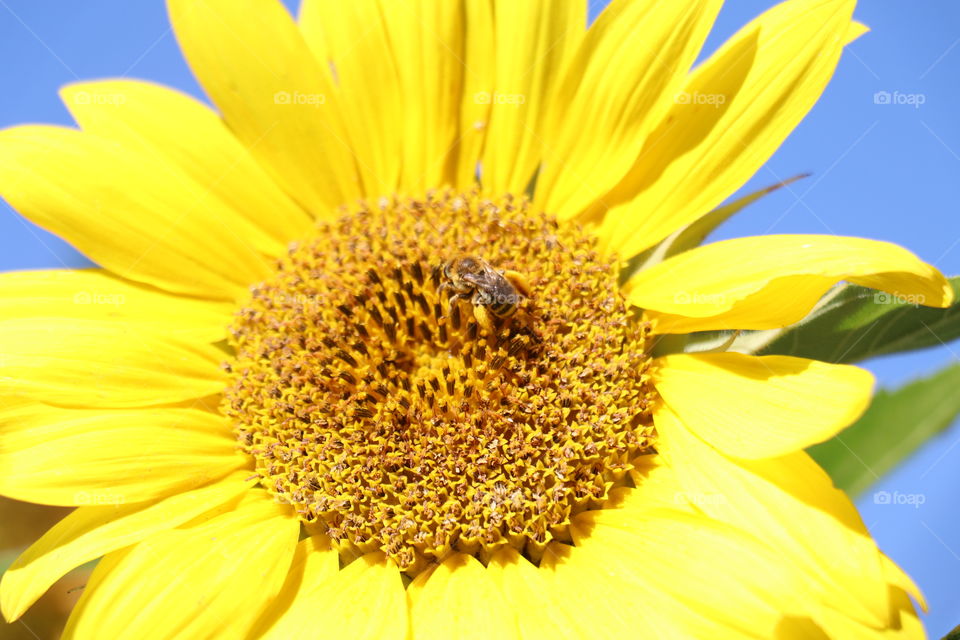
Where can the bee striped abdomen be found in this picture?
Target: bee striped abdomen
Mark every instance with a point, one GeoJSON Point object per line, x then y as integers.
{"type": "Point", "coordinates": [502, 309]}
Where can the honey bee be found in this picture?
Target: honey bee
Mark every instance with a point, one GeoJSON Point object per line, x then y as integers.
{"type": "Point", "coordinates": [490, 291]}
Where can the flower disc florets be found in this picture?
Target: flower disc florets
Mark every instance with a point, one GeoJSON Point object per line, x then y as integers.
{"type": "Point", "coordinates": [392, 420]}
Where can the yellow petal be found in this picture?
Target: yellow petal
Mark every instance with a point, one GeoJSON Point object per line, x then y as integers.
{"type": "Point", "coordinates": [314, 562]}
{"type": "Point", "coordinates": [352, 38]}
{"type": "Point", "coordinates": [91, 363]}
{"type": "Point", "coordinates": [732, 113]}
{"type": "Point", "coordinates": [534, 42]}
{"type": "Point", "coordinates": [458, 599]}
{"type": "Point", "coordinates": [766, 282]}
{"type": "Point", "coordinates": [656, 487]}
{"type": "Point", "coordinates": [364, 600]}
{"type": "Point", "coordinates": [479, 58]}
{"type": "Point", "coordinates": [616, 89]}
{"type": "Point", "coordinates": [854, 32]}
{"type": "Point", "coordinates": [90, 532]}
{"type": "Point", "coordinates": [192, 139]}
{"type": "Point", "coordinates": [896, 577]}
{"type": "Point", "coordinates": [790, 503]}
{"type": "Point", "coordinates": [127, 211]}
{"type": "Point", "coordinates": [904, 622]}
{"type": "Point", "coordinates": [91, 457]}
{"type": "Point", "coordinates": [427, 38]}
{"type": "Point", "coordinates": [762, 407]}
{"type": "Point", "coordinates": [796, 628]}
{"type": "Point", "coordinates": [211, 580]}
{"type": "Point", "coordinates": [95, 294]}
{"type": "Point", "coordinates": [278, 100]}
{"type": "Point", "coordinates": [534, 609]}
{"type": "Point", "coordinates": [619, 599]}
{"type": "Point", "coordinates": [727, 579]}
{"type": "Point", "coordinates": [100, 573]}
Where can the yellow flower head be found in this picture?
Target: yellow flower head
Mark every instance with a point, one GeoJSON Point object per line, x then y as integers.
{"type": "Point", "coordinates": [365, 357]}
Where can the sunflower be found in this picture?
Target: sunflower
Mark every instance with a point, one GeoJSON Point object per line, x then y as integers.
{"type": "Point", "coordinates": [364, 357]}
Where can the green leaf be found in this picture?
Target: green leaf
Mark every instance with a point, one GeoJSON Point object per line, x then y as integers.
{"type": "Point", "coordinates": [894, 426]}
{"type": "Point", "coordinates": [855, 323]}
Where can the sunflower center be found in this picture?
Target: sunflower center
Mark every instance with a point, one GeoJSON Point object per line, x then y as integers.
{"type": "Point", "coordinates": [405, 389]}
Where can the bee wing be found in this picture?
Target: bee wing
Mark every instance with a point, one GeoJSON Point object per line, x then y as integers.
{"type": "Point", "coordinates": [485, 278]}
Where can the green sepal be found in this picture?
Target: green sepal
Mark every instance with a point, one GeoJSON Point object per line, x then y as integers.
{"type": "Point", "coordinates": [856, 323]}
{"type": "Point", "coordinates": [850, 324]}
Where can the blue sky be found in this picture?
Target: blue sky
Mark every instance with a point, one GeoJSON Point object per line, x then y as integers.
{"type": "Point", "coordinates": [885, 171]}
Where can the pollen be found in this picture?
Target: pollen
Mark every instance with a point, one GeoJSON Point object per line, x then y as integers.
{"type": "Point", "coordinates": [378, 405]}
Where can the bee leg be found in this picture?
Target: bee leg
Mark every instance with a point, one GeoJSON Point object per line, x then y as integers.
{"type": "Point", "coordinates": [458, 296]}
{"type": "Point", "coordinates": [446, 286]}
{"type": "Point", "coordinates": [452, 300]}
{"type": "Point", "coordinates": [519, 281]}
{"type": "Point", "coordinates": [483, 318]}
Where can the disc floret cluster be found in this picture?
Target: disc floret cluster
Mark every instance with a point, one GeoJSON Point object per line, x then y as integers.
{"type": "Point", "coordinates": [393, 420]}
